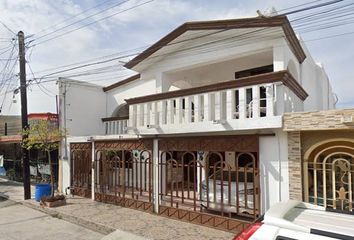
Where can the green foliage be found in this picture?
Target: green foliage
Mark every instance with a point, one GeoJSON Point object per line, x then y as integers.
{"type": "Point", "coordinates": [43, 135]}
{"type": "Point", "coordinates": [11, 172]}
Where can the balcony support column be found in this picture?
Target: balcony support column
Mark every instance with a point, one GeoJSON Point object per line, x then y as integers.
{"type": "Point", "coordinates": [269, 100]}
{"type": "Point", "coordinates": [242, 103]}
{"type": "Point", "coordinates": [230, 104]}
{"type": "Point", "coordinates": [255, 102]}
{"type": "Point", "coordinates": [197, 108]}
{"type": "Point", "coordinates": [178, 116]}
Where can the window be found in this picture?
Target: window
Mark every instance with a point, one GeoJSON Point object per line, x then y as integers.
{"type": "Point", "coordinates": [254, 71]}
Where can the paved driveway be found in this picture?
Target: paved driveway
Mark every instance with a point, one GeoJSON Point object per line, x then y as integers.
{"type": "Point", "coordinates": [20, 222]}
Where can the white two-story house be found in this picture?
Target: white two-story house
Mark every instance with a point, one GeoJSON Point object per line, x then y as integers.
{"type": "Point", "coordinates": [197, 133]}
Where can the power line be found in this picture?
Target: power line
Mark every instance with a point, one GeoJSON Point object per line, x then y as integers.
{"type": "Point", "coordinates": [327, 3]}
{"type": "Point", "coordinates": [81, 20]}
{"type": "Point", "coordinates": [300, 5]}
{"type": "Point", "coordinates": [98, 20]}
{"type": "Point", "coordinates": [258, 50]}
{"type": "Point", "coordinates": [42, 88]}
{"type": "Point", "coordinates": [73, 17]}
{"type": "Point", "coordinates": [5, 26]}
{"type": "Point", "coordinates": [313, 7]}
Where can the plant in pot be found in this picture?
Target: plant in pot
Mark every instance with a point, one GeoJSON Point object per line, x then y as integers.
{"type": "Point", "coordinates": [11, 174]}
{"type": "Point", "coordinates": [45, 136]}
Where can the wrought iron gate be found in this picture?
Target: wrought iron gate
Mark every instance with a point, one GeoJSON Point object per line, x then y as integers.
{"type": "Point", "coordinates": [329, 181]}
{"type": "Point", "coordinates": [81, 176]}
{"type": "Point", "coordinates": [212, 181]}
{"type": "Point", "coordinates": [123, 173]}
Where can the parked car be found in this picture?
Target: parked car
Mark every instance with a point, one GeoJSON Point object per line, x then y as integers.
{"type": "Point", "coordinates": [219, 188]}
{"type": "Point", "coordinates": [294, 220]}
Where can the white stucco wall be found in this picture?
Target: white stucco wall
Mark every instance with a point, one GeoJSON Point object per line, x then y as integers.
{"type": "Point", "coordinates": [116, 97]}
{"type": "Point", "coordinates": [274, 175]}
{"type": "Point", "coordinates": [82, 105]}
{"type": "Point", "coordinates": [217, 72]}
{"type": "Point", "coordinates": [316, 83]}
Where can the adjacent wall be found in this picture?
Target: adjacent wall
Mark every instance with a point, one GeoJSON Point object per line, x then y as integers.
{"type": "Point", "coordinates": [274, 174]}
{"type": "Point", "coordinates": [82, 105]}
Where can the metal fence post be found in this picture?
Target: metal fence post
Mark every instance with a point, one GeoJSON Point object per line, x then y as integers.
{"type": "Point", "coordinates": [156, 175]}
{"type": "Point", "coordinates": [93, 170]}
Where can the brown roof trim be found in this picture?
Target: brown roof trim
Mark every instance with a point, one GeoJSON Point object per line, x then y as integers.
{"type": "Point", "coordinates": [122, 82]}
{"type": "Point", "coordinates": [107, 119]}
{"type": "Point", "coordinates": [281, 76]}
{"type": "Point", "coordinates": [277, 21]}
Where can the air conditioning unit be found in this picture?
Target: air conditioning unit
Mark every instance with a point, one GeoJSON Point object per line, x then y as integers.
{"type": "Point", "coordinates": [347, 119]}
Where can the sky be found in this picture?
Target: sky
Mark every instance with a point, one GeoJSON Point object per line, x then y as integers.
{"type": "Point", "coordinates": [90, 32]}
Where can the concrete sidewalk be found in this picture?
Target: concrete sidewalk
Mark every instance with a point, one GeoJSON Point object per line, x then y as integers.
{"type": "Point", "coordinates": [107, 218]}
{"type": "Point", "coordinates": [18, 222]}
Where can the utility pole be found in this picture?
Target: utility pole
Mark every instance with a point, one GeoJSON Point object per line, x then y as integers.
{"type": "Point", "coordinates": [24, 116]}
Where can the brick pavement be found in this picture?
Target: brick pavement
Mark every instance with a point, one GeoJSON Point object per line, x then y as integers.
{"type": "Point", "coordinates": [106, 218]}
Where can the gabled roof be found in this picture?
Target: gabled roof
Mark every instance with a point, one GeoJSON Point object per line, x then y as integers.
{"type": "Point", "coordinates": [258, 22]}
{"type": "Point", "coordinates": [122, 82]}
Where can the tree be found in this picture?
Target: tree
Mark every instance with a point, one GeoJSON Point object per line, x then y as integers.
{"type": "Point", "coordinates": [45, 136]}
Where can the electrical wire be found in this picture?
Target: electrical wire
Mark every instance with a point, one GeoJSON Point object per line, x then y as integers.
{"type": "Point", "coordinates": [98, 20]}
{"type": "Point", "coordinates": [72, 17]}
{"type": "Point", "coordinates": [81, 20]}
{"type": "Point", "coordinates": [5, 26]}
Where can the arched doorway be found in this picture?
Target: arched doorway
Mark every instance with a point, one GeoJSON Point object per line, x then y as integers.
{"type": "Point", "coordinates": [329, 174]}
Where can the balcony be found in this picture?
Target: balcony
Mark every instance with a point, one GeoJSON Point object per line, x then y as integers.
{"type": "Point", "coordinates": [115, 126]}
{"type": "Point", "coordinates": [255, 102]}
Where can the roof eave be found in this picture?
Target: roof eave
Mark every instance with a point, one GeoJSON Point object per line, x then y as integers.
{"type": "Point", "coordinates": [277, 21]}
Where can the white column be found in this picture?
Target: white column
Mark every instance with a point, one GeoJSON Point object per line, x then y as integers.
{"type": "Point", "coordinates": [217, 106]}
{"type": "Point", "coordinates": [93, 170]}
{"type": "Point", "coordinates": [170, 111]}
{"type": "Point", "coordinates": [147, 107]}
{"type": "Point", "coordinates": [280, 100]}
{"type": "Point", "coordinates": [206, 107]}
{"type": "Point", "coordinates": [132, 116]}
{"type": "Point", "coordinates": [222, 100]}
{"type": "Point", "coordinates": [189, 115]}
{"type": "Point", "coordinates": [269, 100]}
{"type": "Point", "coordinates": [230, 104]}
{"type": "Point", "coordinates": [135, 115]}
{"type": "Point", "coordinates": [255, 102]}
{"type": "Point", "coordinates": [197, 108]}
{"type": "Point", "coordinates": [178, 116]}
{"type": "Point", "coordinates": [155, 114]}
{"type": "Point", "coordinates": [163, 113]}
{"type": "Point", "coordinates": [151, 114]}
{"type": "Point", "coordinates": [141, 114]}
{"type": "Point", "coordinates": [211, 106]}
{"type": "Point", "coordinates": [242, 103]}
{"type": "Point", "coordinates": [155, 175]}
{"type": "Point", "coordinates": [158, 113]}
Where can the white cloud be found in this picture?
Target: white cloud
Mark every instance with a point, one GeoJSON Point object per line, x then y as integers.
{"type": "Point", "coordinates": [138, 27]}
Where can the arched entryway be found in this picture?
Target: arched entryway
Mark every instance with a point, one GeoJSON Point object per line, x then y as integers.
{"type": "Point", "coordinates": [329, 174]}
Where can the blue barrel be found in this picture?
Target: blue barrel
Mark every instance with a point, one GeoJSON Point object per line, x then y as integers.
{"type": "Point", "coordinates": [42, 189]}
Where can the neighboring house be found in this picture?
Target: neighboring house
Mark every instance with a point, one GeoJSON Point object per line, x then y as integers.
{"type": "Point", "coordinates": [321, 157]}
{"type": "Point", "coordinates": [10, 146]}
{"type": "Point", "coordinates": [197, 133]}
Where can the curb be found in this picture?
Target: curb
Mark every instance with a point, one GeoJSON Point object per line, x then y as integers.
{"type": "Point", "coordinates": [72, 219]}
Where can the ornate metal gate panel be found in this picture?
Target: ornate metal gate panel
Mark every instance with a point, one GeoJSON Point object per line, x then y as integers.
{"type": "Point", "coordinates": [123, 173]}
{"type": "Point", "coordinates": [329, 180]}
{"type": "Point", "coordinates": [81, 160]}
{"type": "Point", "coordinates": [212, 181]}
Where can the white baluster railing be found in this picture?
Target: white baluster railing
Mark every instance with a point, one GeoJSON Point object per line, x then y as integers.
{"type": "Point", "coordinates": [116, 127]}
{"type": "Point", "coordinates": [238, 104]}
